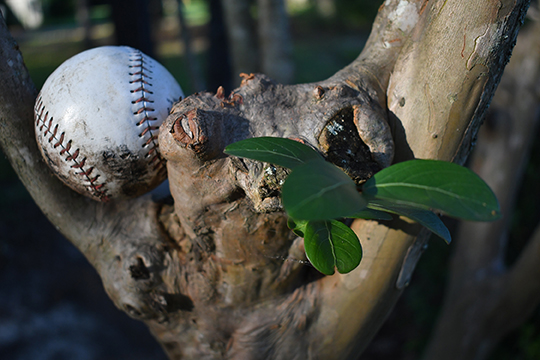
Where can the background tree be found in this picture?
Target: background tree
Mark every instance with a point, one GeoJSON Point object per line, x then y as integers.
{"type": "Point", "coordinates": [261, 45]}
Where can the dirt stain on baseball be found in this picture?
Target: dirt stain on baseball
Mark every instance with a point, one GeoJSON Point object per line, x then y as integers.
{"type": "Point", "coordinates": [129, 167]}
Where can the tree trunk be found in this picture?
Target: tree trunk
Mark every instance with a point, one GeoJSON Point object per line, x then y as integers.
{"type": "Point", "coordinates": [485, 300]}
{"type": "Point", "coordinates": [206, 274]}
{"type": "Point", "coordinates": [275, 41]}
{"type": "Point", "coordinates": [263, 45]}
{"type": "Point", "coordinates": [242, 36]}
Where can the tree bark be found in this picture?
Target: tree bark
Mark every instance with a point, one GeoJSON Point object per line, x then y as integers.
{"type": "Point", "coordinates": [486, 300]}
{"type": "Point", "coordinates": [207, 274]}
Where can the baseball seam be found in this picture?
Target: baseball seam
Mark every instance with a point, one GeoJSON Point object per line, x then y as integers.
{"type": "Point", "coordinates": [140, 72]}
{"type": "Point", "coordinates": [46, 126]}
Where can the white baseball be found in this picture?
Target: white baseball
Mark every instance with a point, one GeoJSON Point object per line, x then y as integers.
{"type": "Point", "coordinates": [97, 120]}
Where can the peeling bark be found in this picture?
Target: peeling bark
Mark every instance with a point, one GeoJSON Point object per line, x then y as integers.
{"type": "Point", "coordinates": [217, 274]}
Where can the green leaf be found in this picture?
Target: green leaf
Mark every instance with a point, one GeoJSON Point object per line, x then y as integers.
{"type": "Point", "coordinates": [371, 214]}
{"type": "Point", "coordinates": [297, 226]}
{"type": "Point", "coordinates": [439, 185]}
{"type": "Point", "coordinates": [319, 190]}
{"type": "Point", "coordinates": [278, 151]}
{"type": "Point", "coordinates": [330, 245]}
{"type": "Point", "coordinates": [424, 217]}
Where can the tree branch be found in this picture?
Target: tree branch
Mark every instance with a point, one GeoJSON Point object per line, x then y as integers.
{"type": "Point", "coordinates": [438, 117]}
{"type": "Point", "coordinates": [494, 299]}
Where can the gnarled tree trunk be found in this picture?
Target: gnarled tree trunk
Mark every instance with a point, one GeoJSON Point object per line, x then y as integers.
{"type": "Point", "coordinates": [206, 273]}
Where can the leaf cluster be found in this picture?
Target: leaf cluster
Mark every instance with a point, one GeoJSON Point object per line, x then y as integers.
{"type": "Point", "coordinates": [317, 195]}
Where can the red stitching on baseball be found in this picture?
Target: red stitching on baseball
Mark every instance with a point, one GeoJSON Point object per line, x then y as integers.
{"type": "Point", "coordinates": [50, 122]}
{"type": "Point", "coordinates": [140, 80]}
{"type": "Point", "coordinates": [97, 187]}
{"type": "Point", "coordinates": [141, 99]}
{"type": "Point", "coordinates": [53, 132]}
{"type": "Point", "coordinates": [149, 141]}
{"type": "Point", "coordinates": [87, 172]}
{"type": "Point", "coordinates": [60, 141]}
{"type": "Point", "coordinates": [73, 156]}
{"type": "Point", "coordinates": [140, 89]}
{"type": "Point", "coordinates": [42, 122]}
{"type": "Point", "coordinates": [149, 129]}
{"type": "Point", "coordinates": [79, 165]}
{"type": "Point", "coordinates": [143, 109]}
{"type": "Point", "coordinates": [145, 119]}
{"type": "Point", "coordinates": [66, 149]}
{"type": "Point", "coordinates": [143, 74]}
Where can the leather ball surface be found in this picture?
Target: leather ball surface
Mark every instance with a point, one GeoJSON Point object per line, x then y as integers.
{"type": "Point", "coordinates": [97, 121]}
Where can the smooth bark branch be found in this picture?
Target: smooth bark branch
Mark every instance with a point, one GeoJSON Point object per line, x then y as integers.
{"type": "Point", "coordinates": [447, 73]}
{"type": "Point", "coordinates": [493, 298]}
{"type": "Point", "coordinates": [430, 68]}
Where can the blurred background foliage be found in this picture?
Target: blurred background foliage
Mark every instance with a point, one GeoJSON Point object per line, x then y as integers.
{"type": "Point", "coordinates": [52, 305]}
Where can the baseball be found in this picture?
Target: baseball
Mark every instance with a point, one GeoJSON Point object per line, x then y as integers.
{"type": "Point", "coordinates": [97, 120]}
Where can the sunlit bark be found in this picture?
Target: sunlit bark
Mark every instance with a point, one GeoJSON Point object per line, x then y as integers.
{"type": "Point", "coordinates": [485, 299]}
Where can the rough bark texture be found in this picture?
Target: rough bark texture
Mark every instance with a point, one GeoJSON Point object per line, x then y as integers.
{"type": "Point", "coordinates": [485, 300]}
{"type": "Point", "coordinates": [215, 275]}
